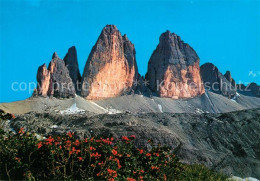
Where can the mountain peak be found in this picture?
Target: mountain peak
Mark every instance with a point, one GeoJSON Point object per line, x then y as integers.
{"type": "Point", "coordinates": [175, 65]}
{"type": "Point", "coordinates": [55, 55]}
{"type": "Point", "coordinates": [109, 29]}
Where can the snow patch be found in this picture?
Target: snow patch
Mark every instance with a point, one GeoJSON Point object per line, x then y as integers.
{"type": "Point", "coordinates": [107, 110]}
{"type": "Point", "coordinates": [234, 99]}
{"type": "Point", "coordinates": [73, 110]}
{"type": "Point", "coordinates": [113, 111]}
{"type": "Point", "coordinates": [199, 111]}
{"type": "Point", "coordinates": [160, 107]}
{"type": "Point", "coordinates": [54, 127]}
{"type": "Point", "coordinates": [234, 178]}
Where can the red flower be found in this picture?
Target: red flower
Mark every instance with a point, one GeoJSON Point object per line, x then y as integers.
{"type": "Point", "coordinates": [56, 143]}
{"type": "Point", "coordinates": [133, 136]}
{"type": "Point", "coordinates": [101, 163]}
{"type": "Point", "coordinates": [40, 145]}
{"type": "Point", "coordinates": [96, 155]}
{"type": "Point", "coordinates": [130, 179]}
{"type": "Point", "coordinates": [118, 163]}
{"type": "Point", "coordinates": [13, 116]}
{"type": "Point", "coordinates": [142, 171]}
{"type": "Point", "coordinates": [21, 131]}
{"type": "Point", "coordinates": [86, 140]}
{"type": "Point", "coordinates": [141, 178]}
{"type": "Point", "coordinates": [80, 158]}
{"type": "Point", "coordinates": [157, 154]}
{"type": "Point", "coordinates": [49, 140]}
{"type": "Point", "coordinates": [127, 155]}
{"type": "Point", "coordinates": [114, 152]}
{"type": "Point", "coordinates": [92, 148]}
{"type": "Point", "coordinates": [148, 154]}
{"type": "Point", "coordinates": [125, 138]}
{"type": "Point", "coordinates": [70, 134]}
{"type": "Point", "coordinates": [17, 159]}
{"type": "Point", "coordinates": [68, 144]}
{"type": "Point", "coordinates": [141, 151]}
{"type": "Point", "coordinates": [155, 168]}
{"type": "Point", "coordinates": [112, 173]}
{"type": "Point", "coordinates": [74, 151]}
{"type": "Point", "coordinates": [165, 178]}
{"type": "Point", "coordinates": [77, 143]}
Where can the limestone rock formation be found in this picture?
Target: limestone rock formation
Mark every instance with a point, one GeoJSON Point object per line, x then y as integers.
{"type": "Point", "coordinates": [230, 79]}
{"type": "Point", "coordinates": [216, 82]}
{"type": "Point", "coordinates": [111, 68]}
{"type": "Point", "coordinates": [173, 69]}
{"type": "Point", "coordinates": [55, 81]}
{"type": "Point", "coordinates": [71, 62]}
{"type": "Point", "coordinates": [251, 89]}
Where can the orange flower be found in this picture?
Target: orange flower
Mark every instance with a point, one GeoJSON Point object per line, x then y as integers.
{"type": "Point", "coordinates": [114, 152]}
{"type": "Point", "coordinates": [80, 158]}
{"type": "Point", "coordinates": [13, 116]}
{"type": "Point", "coordinates": [130, 179]}
{"type": "Point", "coordinates": [127, 155]}
{"type": "Point", "coordinates": [141, 151]}
{"type": "Point", "coordinates": [141, 178]}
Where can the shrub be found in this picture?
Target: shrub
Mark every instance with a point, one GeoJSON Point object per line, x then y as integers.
{"type": "Point", "coordinates": [65, 157]}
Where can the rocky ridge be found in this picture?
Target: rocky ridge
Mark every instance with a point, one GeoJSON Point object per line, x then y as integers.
{"type": "Point", "coordinates": [71, 62]}
{"type": "Point", "coordinates": [111, 71]}
{"type": "Point", "coordinates": [55, 81]}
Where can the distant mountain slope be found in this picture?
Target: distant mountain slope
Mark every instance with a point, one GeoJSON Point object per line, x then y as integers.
{"type": "Point", "coordinates": [208, 102]}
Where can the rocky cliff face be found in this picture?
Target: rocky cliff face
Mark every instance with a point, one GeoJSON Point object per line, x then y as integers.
{"type": "Point", "coordinates": [111, 66]}
{"type": "Point", "coordinates": [55, 81]}
{"type": "Point", "coordinates": [216, 82]}
{"type": "Point", "coordinates": [230, 79]}
{"type": "Point", "coordinates": [173, 69]}
{"type": "Point", "coordinates": [71, 62]}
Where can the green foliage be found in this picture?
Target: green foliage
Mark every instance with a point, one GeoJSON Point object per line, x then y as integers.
{"type": "Point", "coordinates": [23, 157]}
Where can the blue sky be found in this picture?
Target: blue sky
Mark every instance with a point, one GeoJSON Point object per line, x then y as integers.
{"type": "Point", "coordinates": [226, 33]}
